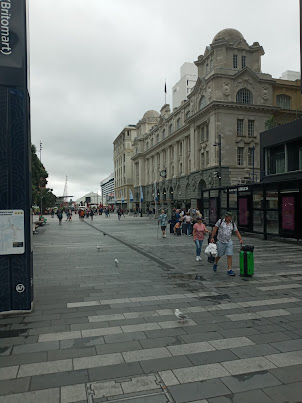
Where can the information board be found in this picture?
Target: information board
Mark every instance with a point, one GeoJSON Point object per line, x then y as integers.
{"type": "Point", "coordinates": [12, 232]}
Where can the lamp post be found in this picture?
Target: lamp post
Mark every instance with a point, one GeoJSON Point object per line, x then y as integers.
{"type": "Point", "coordinates": [218, 144]}
{"type": "Point", "coordinates": [41, 212]}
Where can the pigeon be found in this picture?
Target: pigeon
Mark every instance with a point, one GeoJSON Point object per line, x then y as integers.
{"type": "Point", "coordinates": [116, 262]}
{"type": "Point", "coordinates": [181, 316]}
{"type": "Point", "coordinates": [98, 247]}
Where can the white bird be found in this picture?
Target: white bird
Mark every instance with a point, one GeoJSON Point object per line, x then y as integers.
{"type": "Point", "coordinates": [98, 247]}
{"type": "Point", "coordinates": [116, 262]}
{"type": "Point", "coordinates": [180, 315]}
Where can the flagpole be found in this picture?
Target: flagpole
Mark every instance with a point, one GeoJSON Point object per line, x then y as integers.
{"type": "Point", "coordinates": [165, 92]}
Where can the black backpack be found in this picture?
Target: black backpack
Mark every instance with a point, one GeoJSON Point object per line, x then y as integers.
{"type": "Point", "coordinates": [216, 235]}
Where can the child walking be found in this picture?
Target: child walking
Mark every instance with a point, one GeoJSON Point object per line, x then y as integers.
{"type": "Point", "coordinates": [199, 230]}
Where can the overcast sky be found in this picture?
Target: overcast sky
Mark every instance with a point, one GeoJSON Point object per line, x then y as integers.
{"type": "Point", "coordinates": [99, 65]}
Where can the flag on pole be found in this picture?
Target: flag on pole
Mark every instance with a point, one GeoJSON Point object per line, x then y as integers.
{"type": "Point", "coordinates": [131, 195]}
{"type": "Point", "coordinates": [142, 196]}
{"type": "Point", "coordinates": [155, 192]}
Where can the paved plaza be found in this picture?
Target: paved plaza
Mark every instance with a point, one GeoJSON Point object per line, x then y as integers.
{"type": "Point", "coordinates": [105, 332]}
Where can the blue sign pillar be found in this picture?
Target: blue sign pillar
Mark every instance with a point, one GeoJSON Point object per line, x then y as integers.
{"type": "Point", "coordinates": [16, 261]}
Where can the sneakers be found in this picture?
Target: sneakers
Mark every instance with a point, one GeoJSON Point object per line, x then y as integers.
{"type": "Point", "coordinates": [215, 267]}
{"type": "Point", "coordinates": [197, 258]}
{"type": "Point", "coordinates": [231, 273]}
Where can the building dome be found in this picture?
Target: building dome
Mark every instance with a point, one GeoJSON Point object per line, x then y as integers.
{"type": "Point", "coordinates": [229, 34]}
{"type": "Point", "coordinates": [151, 114]}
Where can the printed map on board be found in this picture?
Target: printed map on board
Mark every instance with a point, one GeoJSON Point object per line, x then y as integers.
{"type": "Point", "coordinates": [12, 232]}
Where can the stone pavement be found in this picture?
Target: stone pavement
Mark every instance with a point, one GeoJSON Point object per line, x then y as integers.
{"type": "Point", "coordinates": [101, 332]}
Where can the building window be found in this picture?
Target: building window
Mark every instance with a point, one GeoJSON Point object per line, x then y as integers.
{"type": "Point", "coordinates": [235, 61]}
{"type": "Point", "coordinates": [147, 145]}
{"type": "Point", "coordinates": [157, 138]}
{"type": "Point", "coordinates": [250, 156]}
{"type": "Point", "coordinates": [243, 62]}
{"type": "Point", "coordinates": [283, 101]}
{"type": "Point", "coordinates": [244, 96]}
{"type": "Point", "coordinates": [188, 115]}
{"type": "Point", "coordinates": [180, 148]}
{"type": "Point", "coordinates": [170, 128]}
{"type": "Point", "coordinates": [152, 142]}
{"type": "Point", "coordinates": [251, 128]}
{"type": "Point", "coordinates": [164, 133]}
{"type": "Point", "coordinates": [178, 123]}
{"type": "Point", "coordinates": [240, 127]}
{"type": "Point", "coordinates": [202, 134]}
{"type": "Point", "coordinates": [180, 168]}
{"type": "Point", "coordinates": [240, 155]}
{"type": "Point", "coordinates": [202, 103]}
{"type": "Point", "coordinates": [201, 160]}
{"type": "Point", "coordinates": [207, 158]}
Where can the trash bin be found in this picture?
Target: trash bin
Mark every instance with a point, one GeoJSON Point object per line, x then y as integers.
{"type": "Point", "coordinates": [246, 260]}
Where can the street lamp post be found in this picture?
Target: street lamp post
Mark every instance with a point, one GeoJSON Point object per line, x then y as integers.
{"type": "Point", "coordinates": [41, 212]}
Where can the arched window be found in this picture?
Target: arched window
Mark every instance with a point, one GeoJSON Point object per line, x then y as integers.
{"type": "Point", "coordinates": [178, 123]}
{"type": "Point", "coordinates": [202, 102]}
{"type": "Point", "coordinates": [170, 128]}
{"type": "Point", "coordinates": [283, 101]}
{"type": "Point", "coordinates": [244, 96]}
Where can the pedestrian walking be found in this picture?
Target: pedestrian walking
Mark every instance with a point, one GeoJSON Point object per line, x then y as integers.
{"type": "Point", "coordinates": [91, 214]}
{"type": "Point", "coordinates": [199, 230]}
{"type": "Point", "coordinates": [162, 220]}
{"type": "Point", "coordinates": [60, 215]}
{"type": "Point", "coordinates": [225, 228]}
{"type": "Point", "coordinates": [119, 213]}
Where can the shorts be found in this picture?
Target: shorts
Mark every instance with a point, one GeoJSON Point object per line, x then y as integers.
{"type": "Point", "coordinates": [225, 248]}
{"type": "Point", "coordinates": [163, 227]}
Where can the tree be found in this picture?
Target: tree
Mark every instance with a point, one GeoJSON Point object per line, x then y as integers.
{"type": "Point", "coordinates": [39, 182]}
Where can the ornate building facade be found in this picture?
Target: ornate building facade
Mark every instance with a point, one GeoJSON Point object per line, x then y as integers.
{"type": "Point", "coordinates": [212, 138]}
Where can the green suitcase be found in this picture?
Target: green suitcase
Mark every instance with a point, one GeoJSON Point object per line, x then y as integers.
{"type": "Point", "coordinates": [246, 263]}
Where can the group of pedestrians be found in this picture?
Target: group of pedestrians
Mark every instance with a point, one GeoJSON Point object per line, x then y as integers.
{"type": "Point", "coordinates": [192, 224]}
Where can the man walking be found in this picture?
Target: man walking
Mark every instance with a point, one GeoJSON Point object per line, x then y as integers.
{"type": "Point", "coordinates": [162, 220]}
{"type": "Point", "coordinates": [225, 228]}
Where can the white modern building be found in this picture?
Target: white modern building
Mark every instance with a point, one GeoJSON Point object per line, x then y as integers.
{"type": "Point", "coordinates": [291, 75]}
{"type": "Point", "coordinates": [188, 78]}
{"type": "Point", "coordinates": [107, 188]}
{"type": "Point", "coordinates": [91, 199]}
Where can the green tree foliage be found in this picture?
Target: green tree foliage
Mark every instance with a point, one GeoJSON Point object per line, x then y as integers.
{"type": "Point", "coordinates": [39, 182]}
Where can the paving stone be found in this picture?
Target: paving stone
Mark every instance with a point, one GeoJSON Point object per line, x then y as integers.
{"type": "Point", "coordinates": [190, 348]}
{"type": "Point", "coordinates": [115, 371]}
{"type": "Point", "coordinates": [161, 342]}
{"type": "Point", "coordinates": [286, 359]}
{"type": "Point", "coordinates": [97, 361]}
{"type": "Point", "coordinates": [212, 357]}
{"type": "Point", "coordinates": [243, 316]}
{"type": "Point", "coordinates": [18, 359]}
{"type": "Point", "coordinates": [273, 312]}
{"type": "Point", "coordinates": [254, 351]}
{"type": "Point", "coordinates": [197, 337]}
{"type": "Point", "coordinates": [269, 338]}
{"type": "Point", "coordinates": [244, 397]}
{"type": "Point", "coordinates": [231, 343]}
{"type": "Point", "coordinates": [288, 374]}
{"type": "Point", "coordinates": [59, 336]}
{"type": "Point", "coordinates": [58, 379]}
{"type": "Point", "coordinates": [197, 390]}
{"type": "Point", "coordinates": [70, 353]}
{"type": "Point", "coordinates": [81, 343]}
{"type": "Point", "coordinates": [11, 386]}
{"type": "Point", "coordinates": [118, 347]}
{"type": "Point", "coordinates": [168, 378]}
{"type": "Point", "coordinates": [163, 364]}
{"type": "Point", "coordinates": [238, 332]}
{"type": "Point", "coordinates": [285, 393]}
{"type": "Point", "coordinates": [204, 327]}
{"type": "Point", "coordinates": [154, 334]}
{"type": "Point", "coordinates": [8, 372]}
{"type": "Point", "coordinates": [246, 365]}
{"type": "Point", "coordinates": [140, 328]}
{"type": "Point", "coordinates": [47, 395]}
{"type": "Point", "coordinates": [199, 373]}
{"type": "Point", "coordinates": [251, 381]}
{"type": "Point", "coordinates": [73, 393]}
{"type": "Point", "coordinates": [284, 346]}
{"type": "Point", "coordinates": [147, 354]}
{"type": "Point", "coordinates": [125, 337]}
{"type": "Point", "coordinates": [44, 368]}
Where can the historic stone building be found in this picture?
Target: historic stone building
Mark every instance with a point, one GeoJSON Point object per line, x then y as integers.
{"type": "Point", "coordinates": [176, 154]}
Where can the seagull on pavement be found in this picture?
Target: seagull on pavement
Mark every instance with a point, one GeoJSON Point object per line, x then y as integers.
{"type": "Point", "coordinates": [180, 315]}
{"type": "Point", "coordinates": [98, 247]}
{"type": "Point", "coordinates": [116, 262]}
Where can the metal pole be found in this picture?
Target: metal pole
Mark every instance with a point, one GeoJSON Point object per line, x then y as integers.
{"type": "Point", "coordinates": [41, 211]}
{"type": "Point", "coordinates": [219, 158]}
